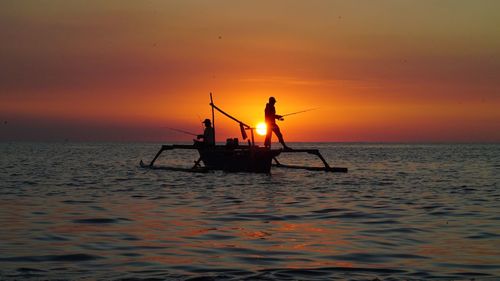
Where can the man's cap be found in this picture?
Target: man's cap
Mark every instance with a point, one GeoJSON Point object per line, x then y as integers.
{"type": "Point", "coordinates": [207, 121]}
{"type": "Point", "coordinates": [272, 99]}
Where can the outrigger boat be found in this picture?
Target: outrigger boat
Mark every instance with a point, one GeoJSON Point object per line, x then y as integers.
{"type": "Point", "coordinates": [234, 157]}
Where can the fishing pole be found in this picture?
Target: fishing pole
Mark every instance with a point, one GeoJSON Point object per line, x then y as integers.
{"type": "Point", "coordinates": [297, 112]}
{"type": "Point", "coordinates": [201, 122]}
{"type": "Point", "coordinates": [182, 131]}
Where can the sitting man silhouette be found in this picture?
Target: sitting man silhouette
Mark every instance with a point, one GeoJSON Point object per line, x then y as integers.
{"type": "Point", "coordinates": [208, 134]}
{"type": "Point", "coordinates": [271, 116]}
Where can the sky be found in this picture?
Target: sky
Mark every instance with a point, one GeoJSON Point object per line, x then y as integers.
{"type": "Point", "coordinates": [376, 71]}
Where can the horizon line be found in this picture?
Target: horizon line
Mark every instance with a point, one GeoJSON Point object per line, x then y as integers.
{"type": "Point", "coordinates": [222, 143]}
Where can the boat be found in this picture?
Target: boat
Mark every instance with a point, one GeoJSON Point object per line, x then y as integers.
{"type": "Point", "coordinates": [236, 157]}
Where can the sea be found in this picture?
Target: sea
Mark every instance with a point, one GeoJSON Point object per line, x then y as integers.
{"type": "Point", "coordinates": [87, 211]}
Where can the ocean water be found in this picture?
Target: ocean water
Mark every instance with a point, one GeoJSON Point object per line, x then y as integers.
{"type": "Point", "coordinates": [403, 212]}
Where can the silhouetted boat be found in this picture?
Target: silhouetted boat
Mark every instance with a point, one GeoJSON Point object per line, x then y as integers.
{"type": "Point", "coordinates": [234, 157]}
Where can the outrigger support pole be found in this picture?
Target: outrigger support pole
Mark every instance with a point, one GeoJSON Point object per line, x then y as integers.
{"type": "Point", "coordinates": [320, 157]}
{"type": "Point", "coordinates": [196, 168]}
{"type": "Point", "coordinates": [169, 147]}
{"type": "Point", "coordinates": [156, 156]}
{"type": "Point", "coordinates": [316, 152]}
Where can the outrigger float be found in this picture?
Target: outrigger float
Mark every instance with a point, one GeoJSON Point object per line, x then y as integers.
{"type": "Point", "coordinates": [233, 157]}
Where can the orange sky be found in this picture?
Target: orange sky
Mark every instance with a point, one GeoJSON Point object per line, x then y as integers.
{"type": "Point", "coordinates": [395, 71]}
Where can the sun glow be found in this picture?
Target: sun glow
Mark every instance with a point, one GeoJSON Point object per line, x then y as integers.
{"type": "Point", "coordinates": [261, 129]}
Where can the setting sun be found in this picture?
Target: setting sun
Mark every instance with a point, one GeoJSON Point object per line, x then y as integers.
{"type": "Point", "coordinates": [261, 129]}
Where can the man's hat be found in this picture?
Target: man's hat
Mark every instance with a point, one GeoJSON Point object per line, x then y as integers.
{"type": "Point", "coordinates": [272, 99]}
{"type": "Point", "coordinates": [207, 121]}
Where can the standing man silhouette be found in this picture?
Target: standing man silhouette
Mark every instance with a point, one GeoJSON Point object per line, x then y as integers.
{"type": "Point", "coordinates": [271, 117]}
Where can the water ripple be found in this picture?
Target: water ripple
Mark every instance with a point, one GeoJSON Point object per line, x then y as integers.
{"type": "Point", "coordinates": [403, 212]}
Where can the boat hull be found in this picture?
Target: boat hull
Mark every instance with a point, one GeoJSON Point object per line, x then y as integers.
{"type": "Point", "coordinates": [255, 160]}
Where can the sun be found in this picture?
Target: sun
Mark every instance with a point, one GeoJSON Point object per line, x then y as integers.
{"type": "Point", "coordinates": [261, 129]}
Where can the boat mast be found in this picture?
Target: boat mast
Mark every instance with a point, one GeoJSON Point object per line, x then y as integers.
{"type": "Point", "coordinates": [213, 116]}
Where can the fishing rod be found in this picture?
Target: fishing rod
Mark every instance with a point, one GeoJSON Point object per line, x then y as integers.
{"type": "Point", "coordinates": [182, 131]}
{"type": "Point", "coordinates": [297, 112]}
{"type": "Point", "coordinates": [199, 119]}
